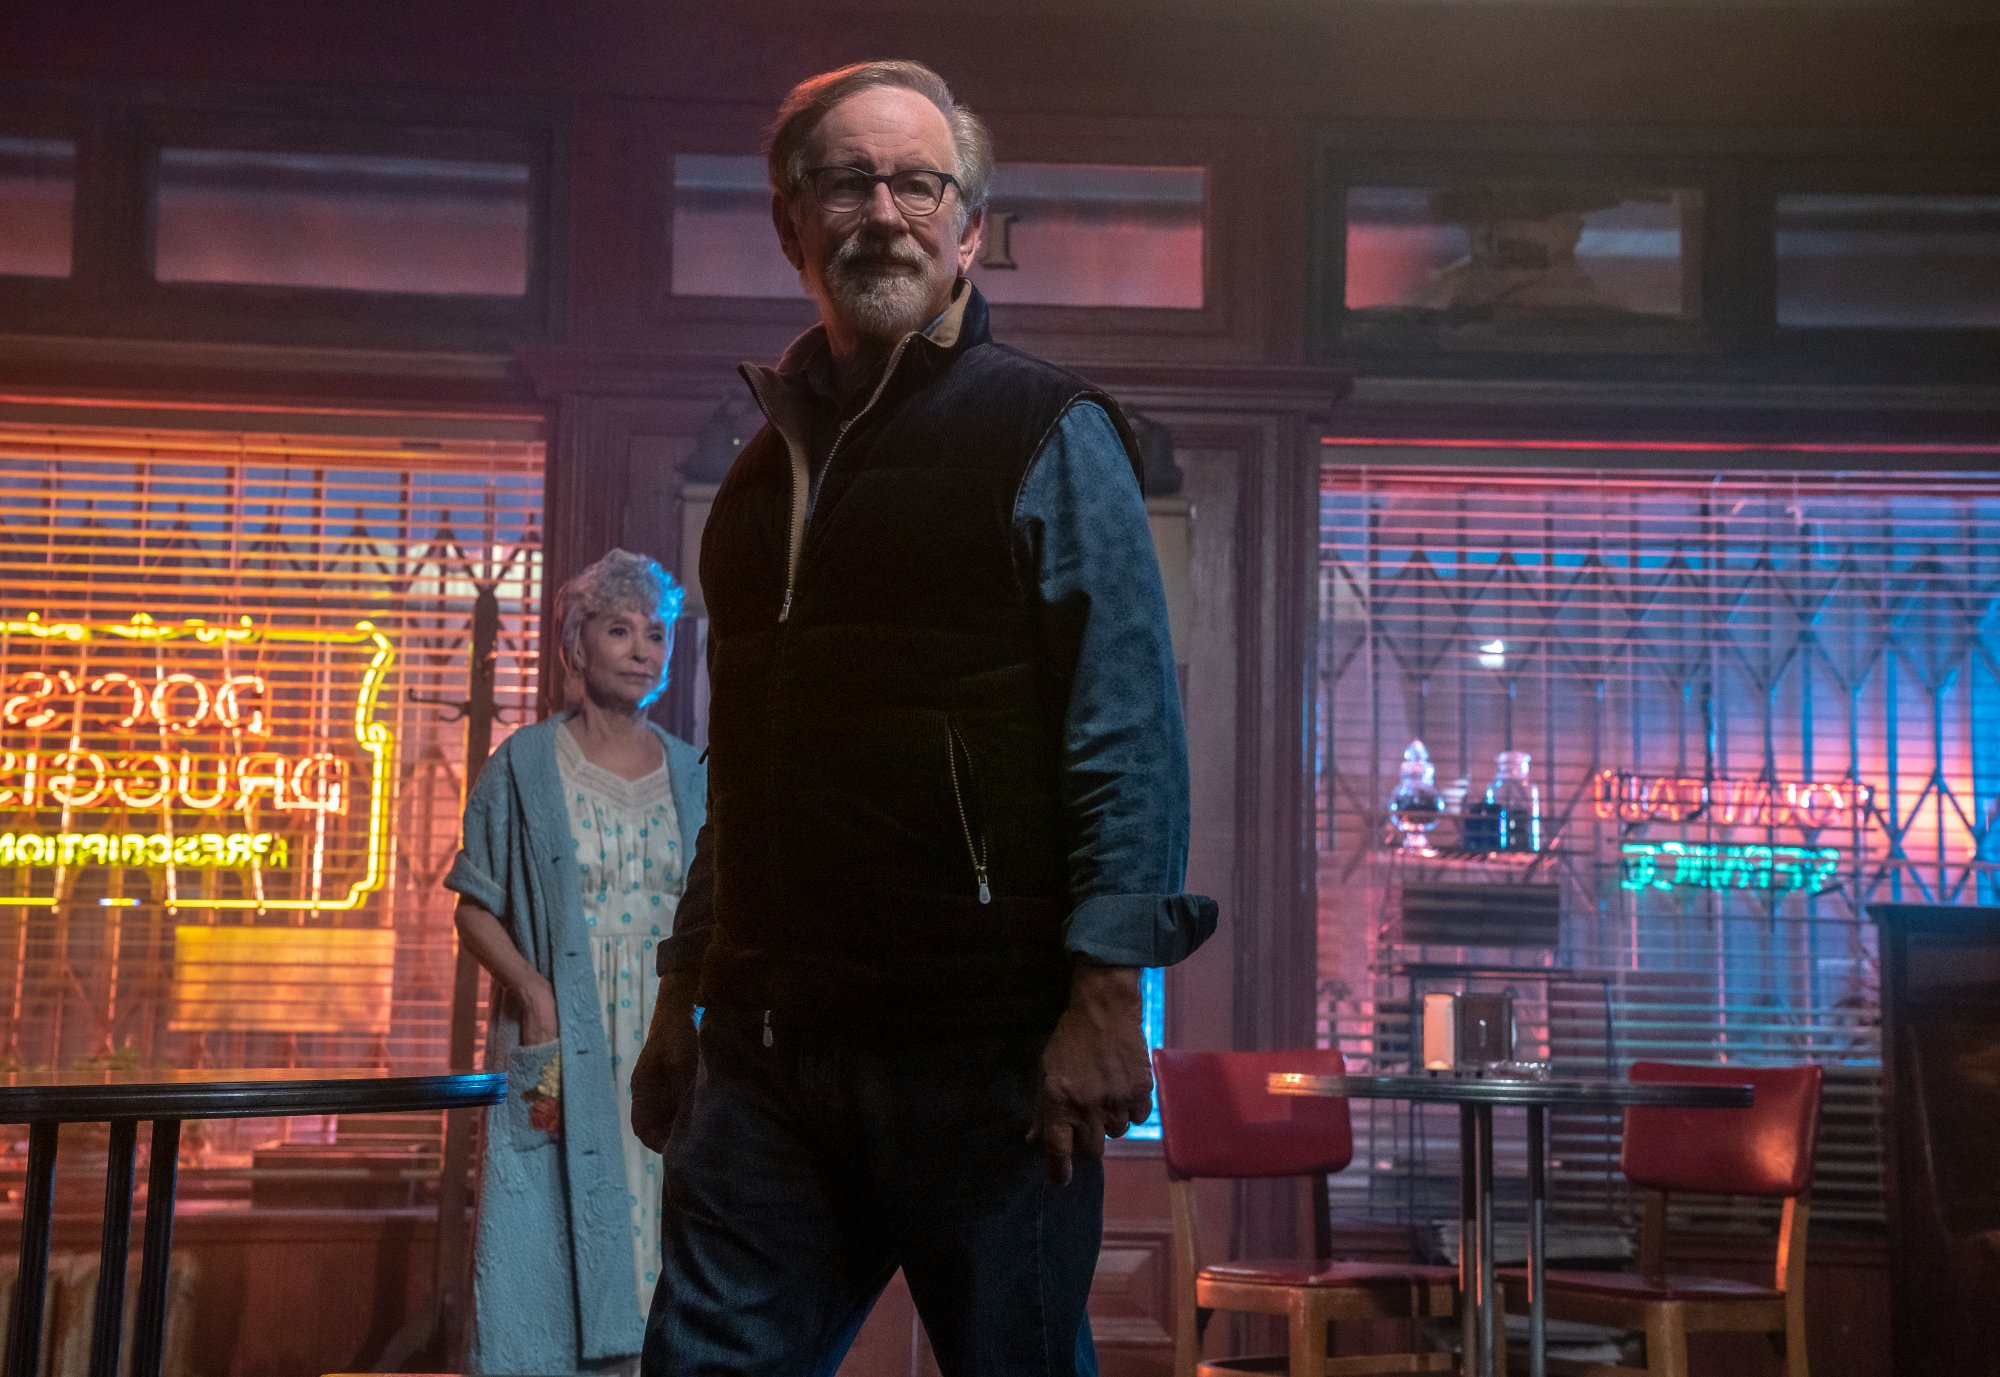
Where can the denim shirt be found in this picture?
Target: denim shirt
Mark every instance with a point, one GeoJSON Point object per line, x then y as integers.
{"type": "Point", "coordinates": [1085, 550]}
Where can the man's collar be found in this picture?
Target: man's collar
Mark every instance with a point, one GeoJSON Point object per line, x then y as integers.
{"type": "Point", "coordinates": [788, 394]}
{"type": "Point", "coordinates": [950, 322]}
{"type": "Point", "coordinates": [807, 364]}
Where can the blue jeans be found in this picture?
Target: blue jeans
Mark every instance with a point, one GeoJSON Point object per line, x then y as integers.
{"type": "Point", "coordinates": [803, 1174]}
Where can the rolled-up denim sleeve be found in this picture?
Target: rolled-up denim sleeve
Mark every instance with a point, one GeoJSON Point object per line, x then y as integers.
{"type": "Point", "coordinates": [1087, 548]}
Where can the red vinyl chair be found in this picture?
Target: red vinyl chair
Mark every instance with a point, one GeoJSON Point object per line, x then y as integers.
{"type": "Point", "coordinates": [1765, 1150]}
{"type": "Point", "coordinates": [1218, 1119]}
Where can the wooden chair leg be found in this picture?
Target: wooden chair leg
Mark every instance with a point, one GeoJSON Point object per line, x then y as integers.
{"type": "Point", "coordinates": [1666, 1342]}
{"type": "Point", "coordinates": [1187, 1341]}
{"type": "Point", "coordinates": [1307, 1340]}
{"type": "Point", "coordinates": [1795, 1335]}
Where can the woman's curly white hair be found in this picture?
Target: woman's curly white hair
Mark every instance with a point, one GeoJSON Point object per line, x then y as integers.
{"type": "Point", "coordinates": [619, 582]}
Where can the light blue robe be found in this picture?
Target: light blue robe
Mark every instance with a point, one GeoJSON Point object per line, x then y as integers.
{"type": "Point", "coordinates": [553, 1281]}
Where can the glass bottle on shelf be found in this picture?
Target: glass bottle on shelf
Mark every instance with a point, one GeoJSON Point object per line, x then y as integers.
{"type": "Point", "coordinates": [1416, 805]}
{"type": "Point", "coordinates": [1479, 834]}
{"type": "Point", "coordinates": [1514, 804]}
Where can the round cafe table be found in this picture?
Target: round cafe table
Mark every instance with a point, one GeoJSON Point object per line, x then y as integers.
{"type": "Point", "coordinates": [44, 1100]}
{"type": "Point", "coordinates": [1476, 1096]}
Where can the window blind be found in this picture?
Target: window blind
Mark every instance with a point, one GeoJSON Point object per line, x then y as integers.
{"type": "Point", "coordinates": [235, 673]}
{"type": "Point", "coordinates": [1755, 702]}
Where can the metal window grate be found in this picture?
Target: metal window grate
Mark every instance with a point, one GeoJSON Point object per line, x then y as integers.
{"type": "Point", "coordinates": [326, 588]}
{"type": "Point", "coordinates": [1714, 642]}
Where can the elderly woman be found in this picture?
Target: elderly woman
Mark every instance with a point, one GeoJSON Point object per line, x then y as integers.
{"type": "Point", "coordinates": [577, 837]}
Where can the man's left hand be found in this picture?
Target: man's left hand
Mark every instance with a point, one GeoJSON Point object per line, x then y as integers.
{"type": "Point", "coordinates": [1096, 1078]}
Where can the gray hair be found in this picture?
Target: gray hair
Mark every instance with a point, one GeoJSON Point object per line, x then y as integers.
{"type": "Point", "coordinates": [620, 582]}
{"type": "Point", "coordinates": [808, 102]}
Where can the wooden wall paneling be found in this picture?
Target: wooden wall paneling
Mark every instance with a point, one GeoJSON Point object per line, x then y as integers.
{"type": "Point", "coordinates": [1274, 994]}
{"type": "Point", "coordinates": [608, 200]}
{"type": "Point", "coordinates": [730, 329]}
{"type": "Point", "coordinates": [1130, 1303]}
{"type": "Point", "coordinates": [1246, 440]}
{"type": "Point", "coordinates": [1232, 322]}
{"type": "Point", "coordinates": [1273, 899]}
{"type": "Point", "coordinates": [1270, 421]}
{"type": "Point", "coordinates": [584, 493]}
{"type": "Point", "coordinates": [257, 1312]}
{"type": "Point", "coordinates": [622, 426]}
{"type": "Point", "coordinates": [1245, 209]}
{"type": "Point", "coordinates": [112, 293]}
{"type": "Point", "coordinates": [623, 287]}
{"type": "Point", "coordinates": [1201, 992]}
{"type": "Point", "coordinates": [1921, 65]}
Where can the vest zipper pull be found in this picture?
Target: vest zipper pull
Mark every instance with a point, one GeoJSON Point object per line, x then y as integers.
{"type": "Point", "coordinates": [767, 1027]}
{"type": "Point", "coordinates": [785, 612]}
{"type": "Point", "coordinates": [985, 890]}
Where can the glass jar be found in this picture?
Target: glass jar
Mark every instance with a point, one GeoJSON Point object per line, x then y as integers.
{"type": "Point", "coordinates": [1514, 804]}
{"type": "Point", "coordinates": [1416, 805]}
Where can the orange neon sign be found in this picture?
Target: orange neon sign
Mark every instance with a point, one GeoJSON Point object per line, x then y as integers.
{"type": "Point", "coordinates": [232, 766]}
{"type": "Point", "coordinates": [1617, 796]}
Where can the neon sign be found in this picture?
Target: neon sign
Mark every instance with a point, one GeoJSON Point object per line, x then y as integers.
{"type": "Point", "coordinates": [139, 850]}
{"type": "Point", "coordinates": [1617, 796]}
{"type": "Point", "coordinates": [1689, 865]}
{"type": "Point", "coordinates": [233, 766]}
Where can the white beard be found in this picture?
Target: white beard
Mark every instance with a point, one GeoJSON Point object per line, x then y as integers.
{"type": "Point", "coordinates": [881, 306]}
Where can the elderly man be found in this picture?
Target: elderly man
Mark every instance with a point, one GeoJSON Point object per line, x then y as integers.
{"type": "Point", "coordinates": [948, 784]}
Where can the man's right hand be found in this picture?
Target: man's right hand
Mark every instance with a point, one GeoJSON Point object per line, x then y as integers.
{"type": "Point", "coordinates": [664, 1074]}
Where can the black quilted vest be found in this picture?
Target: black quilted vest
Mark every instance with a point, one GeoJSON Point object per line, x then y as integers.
{"type": "Point", "coordinates": [884, 751]}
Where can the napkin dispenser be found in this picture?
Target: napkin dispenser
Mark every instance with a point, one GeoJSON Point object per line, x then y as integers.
{"type": "Point", "coordinates": [1467, 1032]}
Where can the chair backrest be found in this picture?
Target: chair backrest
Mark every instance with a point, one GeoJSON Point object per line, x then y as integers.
{"type": "Point", "coordinates": [1766, 1149]}
{"type": "Point", "coordinates": [1217, 1118]}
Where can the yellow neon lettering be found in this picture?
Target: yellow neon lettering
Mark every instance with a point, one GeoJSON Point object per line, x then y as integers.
{"type": "Point", "coordinates": [319, 784]}
{"type": "Point", "coordinates": [209, 849]}
{"type": "Point", "coordinates": [230, 705]}
{"type": "Point", "coordinates": [104, 682]}
{"type": "Point", "coordinates": [261, 772]}
{"type": "Point", "coordinates": [214, 800]}
{"type": "Point", "coordinates": [186, 689]}
{"type": "Point", "coordinates": [132, 764]}
{"type": "Point", "coordinates": [29, 708]}
{"type": "Point", "coordinates": [63, 785]}
{"type": "Point", "coordinates": [162, 704]}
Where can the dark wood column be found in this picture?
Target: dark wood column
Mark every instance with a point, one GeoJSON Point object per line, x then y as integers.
{"type": "Point", "coordinates": [1247, 440]}
{"type": "Point", "coordinates": [622, 426]}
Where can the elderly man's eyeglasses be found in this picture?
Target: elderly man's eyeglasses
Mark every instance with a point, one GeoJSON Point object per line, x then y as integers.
{"type": "Point", "coordinates": [843, 190]}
